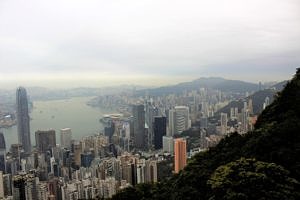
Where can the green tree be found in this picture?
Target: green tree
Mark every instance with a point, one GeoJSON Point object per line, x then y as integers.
{"type": "Point", "coordinates": [251, 179]}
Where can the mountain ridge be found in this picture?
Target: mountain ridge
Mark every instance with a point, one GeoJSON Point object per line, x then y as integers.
{"type": "Point", "coordinates": [219, 83]}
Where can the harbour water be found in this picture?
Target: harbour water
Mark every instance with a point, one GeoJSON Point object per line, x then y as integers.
{"type": "Point", "coordinates": [57, 114]}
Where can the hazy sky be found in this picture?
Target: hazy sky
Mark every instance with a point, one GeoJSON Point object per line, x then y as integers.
{"type": "Point", "coordinates": [103, 42]}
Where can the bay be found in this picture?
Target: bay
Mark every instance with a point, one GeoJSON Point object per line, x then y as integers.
{"type": "Point", "coordinates": [57, 114]}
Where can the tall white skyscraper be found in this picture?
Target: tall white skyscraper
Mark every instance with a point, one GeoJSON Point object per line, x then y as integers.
{"type": "Point", "coordinates": [65, 138]}
{"type": "Point", "coordinates": [179, 120]}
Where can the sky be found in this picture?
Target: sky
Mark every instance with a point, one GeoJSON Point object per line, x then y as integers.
{"type": "Point", "coordinates": [70, 43]}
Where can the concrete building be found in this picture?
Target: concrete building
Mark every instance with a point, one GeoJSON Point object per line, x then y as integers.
{"type": "Point", "coordinates": [168, 144]}
{"type": "Point", "coordinates": [180, 154]}
{"type": "Point", "coordinates": [45, 140]}
{"type": "Point", "coordinates": [160, 130]}
{"type": "Point", "coordinates": [139, 126]}
{"type": "Point", "coordinates": [65, 138]}
{"type": "Point", "coordinates": [23, 119]}
{"type": "Point", "coordinates": [224, 122]}
{"type": "Point", "coordinates": [2, 153]}
{"type": "Point", "coordinates": [1, 186]}
{"type": "Point", "coordinates": [179, 120]}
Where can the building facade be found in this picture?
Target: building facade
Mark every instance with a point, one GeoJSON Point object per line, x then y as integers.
{"type": "Point", "coordinates": [23, 119]}
{"type": "Point", "coordinates": [180, 154]}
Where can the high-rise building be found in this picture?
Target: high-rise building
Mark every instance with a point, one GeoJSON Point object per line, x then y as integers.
{"type": "Point", "coordinates": [19, 182]}
{"type": "Point", "coordinates": [151, 171]}
{"type": "Point", "coordinates": [168, 144]}
{"type": "Point", "coordinates": [250, 106]}
{"type": "Point", "coordinates": [244, 121]}
{"type": "Point", "coordinates": [139, 126]}
{"type": "Point", "coordinates": [86, 159]}
{"type": "Point", "coordinates": [150, 112]}
{"type": "Point", "coordinates": [160, 130]}
{"type": "Point", "coordinates": [65, 138]}
{"type": "Point", "coordinates": [179, 120]}
{"type": "Point", "coordinates": [203, 122]}
{"type": "Point", "coordinates": [180, 154]}
{"type": "Point", "coordinates": [266, 103]}
{"type": "Point", "coordinates": [224, 121]}
{"type": "Point", "coordinates": [7, 184]}
{"type": "Point", "coordinates": [45, 140]}
{"type": "Point", "coordinates": [1, 186]}
{"type": "Point", "coordinates": [23, 119]}
{"type": "Point", "coordinates": [2, 153]}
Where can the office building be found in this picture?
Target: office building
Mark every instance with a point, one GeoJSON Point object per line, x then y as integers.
{"type": "Point", "coordinates": [224, 122]}
{"type": "Point", "coordinates": [45, 140]}
{"type": "Point", "coordinates": [160, 130]}
{"type": "Point", "coordinates": [1, 186]}
{"type": "Point", "coordinates": [139, 126]}
{"type": "Point", "coordinates": [23, 119]}
{"type": "Point", "coordinates": [179, 120]}
{"type": "Point", "coordinates": [7, 184]}
{"type": "Point", "coordinates": [203, 122]}
{"type": "Point", "coordinates": [65, 138]}
{"type": "Point", "coordinates": [168, 144]}
{"type": "Point", "coordinates": [19, 182]}
{"type": "Point", "coordinates": [180, 154]}
{"type": "Point", "coordinates": [2, 153]}
{"type": "Point", "coordinates": [86, 159]}
{"type": "Point", "coordinates": [150, 112]}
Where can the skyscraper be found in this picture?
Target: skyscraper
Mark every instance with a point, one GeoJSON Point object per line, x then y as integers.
{"type": "Point", "coordinates": [45, 140]}
{"type": "Point", "coordinates": [160, 130]}
{"type": "Point", "coordinates": [180, 154]}
{"type": "Point", "coordinates": [168, 144]}
{"type": "Point", "coordinates": [65, 138]}
{"type": "Point", "coordinates": [19, 182]}
{"type": "Point", "coordinates": [179, 120]}
{"type": "Point", "coordinates": [139, 126]}
{"type": "Point", "coordinates": [1, 185]}
{"type": "Point", "coordinates": [224, 121]}
{"type": "Point", "coordinates": [2, 153]}
{"type": "Point", "coordinates": [23, 119]}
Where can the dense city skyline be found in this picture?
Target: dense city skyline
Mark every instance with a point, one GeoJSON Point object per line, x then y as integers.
{"type": "Point", "coordinates": [149, 99]}
{"type": "Point", "coordinates": [146, 42]}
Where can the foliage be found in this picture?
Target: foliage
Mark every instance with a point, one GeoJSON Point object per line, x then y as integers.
{"type": "Point", "coordinates": [251, 179]}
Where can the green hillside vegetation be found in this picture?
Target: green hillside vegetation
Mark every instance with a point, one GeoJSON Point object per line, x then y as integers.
{"type": "Point", "coordinates": [263, 164]}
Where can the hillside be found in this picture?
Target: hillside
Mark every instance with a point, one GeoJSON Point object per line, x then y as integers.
{"type": "Point", "coordinates": [222, 84]}
{"type": "Point", "coordinates": [263, 164]}
{"type": "Point", "coordinates": [258, 98]}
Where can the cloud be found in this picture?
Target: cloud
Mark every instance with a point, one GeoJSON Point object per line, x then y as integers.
{"type": "Point", "coordinates": [149, 37]}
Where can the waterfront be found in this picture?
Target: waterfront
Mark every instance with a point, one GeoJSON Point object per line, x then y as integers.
{"type": "Point", "coordinates": [57, 114]}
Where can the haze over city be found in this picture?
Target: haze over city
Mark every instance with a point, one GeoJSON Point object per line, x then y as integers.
{"type": "Point", "coordinates": [97, 43]}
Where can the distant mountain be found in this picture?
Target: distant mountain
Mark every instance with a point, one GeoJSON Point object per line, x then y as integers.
{"type": "Point", "coordinates": [258, 98]}
{"type": "Point", "coordinates": [218, 83]}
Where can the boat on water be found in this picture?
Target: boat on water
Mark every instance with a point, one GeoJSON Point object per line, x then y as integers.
{"type": "Point", "coordinates": [110, 117]}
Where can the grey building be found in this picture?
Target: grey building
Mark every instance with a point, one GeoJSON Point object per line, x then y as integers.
{"type": "Point", "coordinates": [2, 153]}
{"type": "Point", "coordinates": [139, 126]}
{"type": "Point", "coordinates": [45, 140]}
{"type": "Point", "coordinates": [23, 119]}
